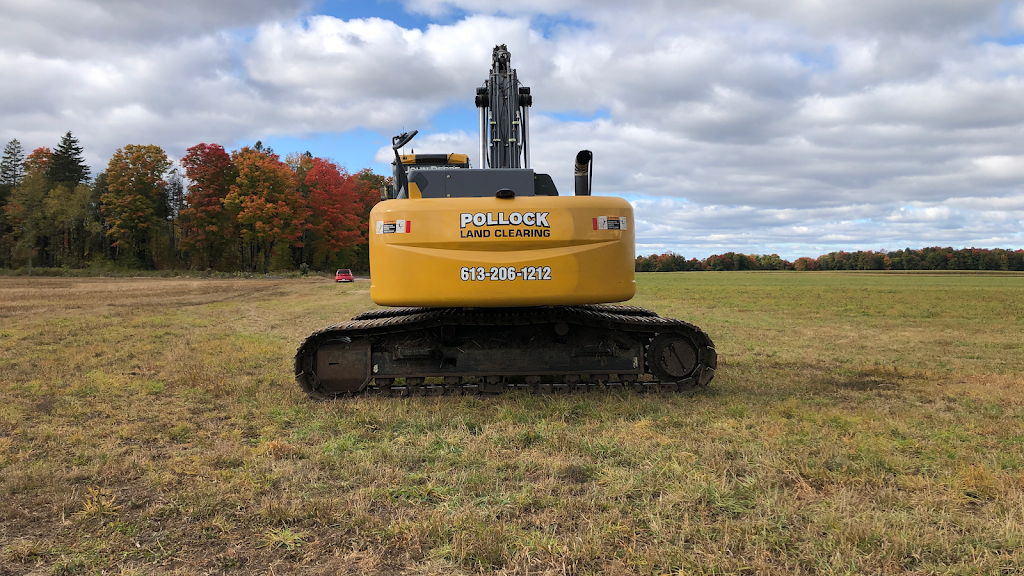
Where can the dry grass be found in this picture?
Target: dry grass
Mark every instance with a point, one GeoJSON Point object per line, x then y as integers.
{"type": "Point", "coordinates": [858, 424]}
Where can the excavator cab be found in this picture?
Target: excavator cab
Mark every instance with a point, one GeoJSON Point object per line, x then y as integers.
{"type": "Point", "coordinates": [449, 175]}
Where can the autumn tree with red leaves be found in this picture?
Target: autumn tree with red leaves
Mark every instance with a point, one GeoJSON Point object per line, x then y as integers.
{"type": "Point", "coordinates": [368, 187]}
{"type": "Point", "coordinates": [207, 226]}
{"type": "Point", "coordinates": [335, 210]}
{"type": "Point", "coordinates": [269, 212]}
{"type": "Point", "coordinates": [38, 162]}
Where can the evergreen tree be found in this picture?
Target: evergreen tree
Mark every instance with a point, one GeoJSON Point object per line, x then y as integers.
{"type": "Point", "coordinates": [12, 172]}
{"type": "Point", "coordinates": [68, 166]}
{"type": "Point", "coordinates": [12, 168]}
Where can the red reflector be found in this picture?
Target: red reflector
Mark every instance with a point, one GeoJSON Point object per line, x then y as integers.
{"type": "Point", "coordinates": [408, 226]}
{"type": "Point", "coordinates": [595, 223]}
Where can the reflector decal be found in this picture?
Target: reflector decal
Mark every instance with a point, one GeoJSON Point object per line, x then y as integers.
{"type": "Point", "coordinates": [610, 223]}
{"type": "Point", "coordinates": [394, 226]}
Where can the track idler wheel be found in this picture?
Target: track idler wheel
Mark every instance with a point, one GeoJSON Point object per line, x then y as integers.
{"type": "Point", "coordinates": [492, 385]}
{"type": "Point", "coordinates": [672, 357]}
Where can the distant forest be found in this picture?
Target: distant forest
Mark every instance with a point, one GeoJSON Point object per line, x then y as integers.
{"type": "Point", "coordinates": [923, 259]}
{"type": "Point", "coordinates": [249, 211]}
{"type": "Point", "coordinates": [243, 211]}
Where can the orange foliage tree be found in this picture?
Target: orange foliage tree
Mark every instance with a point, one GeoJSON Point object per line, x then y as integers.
{"type": "Point", "coordinates": [38, 162]}
{"type": "Point", "coordinates": [268, 210]}
{"type": "Point", "coordinates": [805, 264]}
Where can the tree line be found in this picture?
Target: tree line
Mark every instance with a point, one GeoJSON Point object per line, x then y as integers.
{"type": "Point", "coordinates": [934, 258]}
{"type": "Point", "coordinates": [246, 210]}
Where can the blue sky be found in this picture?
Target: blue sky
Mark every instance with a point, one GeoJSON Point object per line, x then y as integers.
{"type": "Point", "coordinates": [355, 149]}
{"type": "Point", "coordinates": [389, 10]}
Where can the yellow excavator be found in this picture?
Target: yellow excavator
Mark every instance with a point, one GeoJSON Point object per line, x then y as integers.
{"type": "Point", "coordinates": [496, 282]}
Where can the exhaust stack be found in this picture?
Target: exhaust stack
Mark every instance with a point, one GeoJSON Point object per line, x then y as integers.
{"type": "Point", "coordinates": [584, 175]}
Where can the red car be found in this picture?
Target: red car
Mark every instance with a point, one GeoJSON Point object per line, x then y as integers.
{"type": "Point", "coordinates": [344, 275]}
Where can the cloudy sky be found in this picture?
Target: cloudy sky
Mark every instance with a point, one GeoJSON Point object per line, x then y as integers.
{"type": "Point", "coordinates": [790, 126]}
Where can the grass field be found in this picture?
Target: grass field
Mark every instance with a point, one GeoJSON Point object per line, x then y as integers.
{"type": "Point", "coordinates": [857, 424]}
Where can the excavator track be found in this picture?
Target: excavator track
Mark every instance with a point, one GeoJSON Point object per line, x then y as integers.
{"type": "Point", "coordinates": [439, 351]}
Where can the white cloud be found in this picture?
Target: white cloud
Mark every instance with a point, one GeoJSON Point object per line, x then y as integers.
{"type": "Point", "coordinates": [833, 17]}
{"type": "Point", "coordinates": [1008, 168]}
{"type": "Point", "coordinates": [669, 224]}
{"type": "Point", "coordinates": [371, 73]}
{"type": "Point", "coordinates": [738, 124]}
{"type": "Point", "coordinates": [1017, 18]}
{"type": "Point", "coordinates": [53, 26]}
